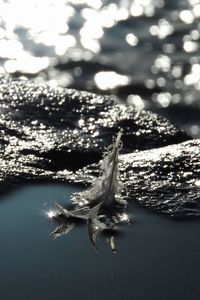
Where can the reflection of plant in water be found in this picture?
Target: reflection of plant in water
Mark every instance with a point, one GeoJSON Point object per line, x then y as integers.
{"type": "Point", "coordinates": [101, 204]}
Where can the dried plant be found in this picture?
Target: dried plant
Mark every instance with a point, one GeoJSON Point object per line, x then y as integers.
{"type": "Point", "coordinates": [99, 204]}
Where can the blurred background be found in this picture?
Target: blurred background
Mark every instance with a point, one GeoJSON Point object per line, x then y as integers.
{"type": "Point", "coordinates": [143, 52]}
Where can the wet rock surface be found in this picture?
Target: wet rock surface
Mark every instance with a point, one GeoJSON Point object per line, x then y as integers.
{"type": "Point", "coordinates": [48, 134]}
{"type": "Point", "coordinates": [165, 180]}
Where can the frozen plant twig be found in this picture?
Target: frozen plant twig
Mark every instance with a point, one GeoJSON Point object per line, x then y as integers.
{"type": "Point", "coordinates": [62, 229]}
{"type": "Point", "coordinates": [98, 201]}
{"type": "Point", "coordinates": [107, 186]}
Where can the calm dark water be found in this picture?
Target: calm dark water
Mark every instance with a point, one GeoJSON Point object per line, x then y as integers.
{"type": "Point", "coordinates": [157, 258]}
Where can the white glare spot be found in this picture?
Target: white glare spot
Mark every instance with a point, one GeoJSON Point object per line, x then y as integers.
{"type": "Point", "coordinates": [164, 99]}
{"type": "Point", "coordinates": [81, 122]}
{"type": "Point", "coordinates": [197, 182]}
{"type": "Point", "coordinates": [122, 14]}
{"type": "Point", "coordinates": [196, 10]}
{"type": "Point", "coordinates": [136, 101]}
{"type": "Point", "coordinates": [51, 214]}
{"type": "Point", "coordinates": [90, 44]}
{"type": "Point", "coordinates": [27, 64]}
{"type": "Point", "coordinates": [150, 84]}
{"type": "Point", "coordinates": [177, 71]}
{"type": "Point", "coordinates": [186, 16]}
{"type": "Point", "coordinates": [96, 4]}
{"type": "Point", "coordinates": [161, 81]}
{"type": "Point", "coordinates": [110, 80]}
{"type": "Point", "coordinates": [124, 217]}
{"type": "Point", "coordinates": [163, 63]}
{"type": "Point", "coordinates": [190, 46]}
{"type": "Point", "coordinates": [193, 78]}
{"type": "Point", "coordinates": [2, 33]}
{"type": "Point", "coordinates": [163, 29]}
{"type": "Point", "coordinates": [63, 43]}
{"type": "Point", "coordinates": [89, 30]}
{"type": "Point", "coordinates": [136, 10]}
{"type": "Point", "coordinates": [11, 49]}
{"type": "Point", "coordinates": [131, 39]}
{"type": "Point", "coordinates": [195, 34]}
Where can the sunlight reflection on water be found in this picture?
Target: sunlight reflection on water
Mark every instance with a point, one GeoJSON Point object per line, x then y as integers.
{"type": "Point", "coordinates": [144, 49]}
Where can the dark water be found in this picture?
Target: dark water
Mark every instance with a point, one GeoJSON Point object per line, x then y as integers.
{"type": "Point", "coordinates": [157, 258]}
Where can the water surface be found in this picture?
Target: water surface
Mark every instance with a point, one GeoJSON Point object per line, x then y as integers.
{"type": "Point", "coordinates": [145, 52]}
{"type": "Point", "coordinates": [157, 258]}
